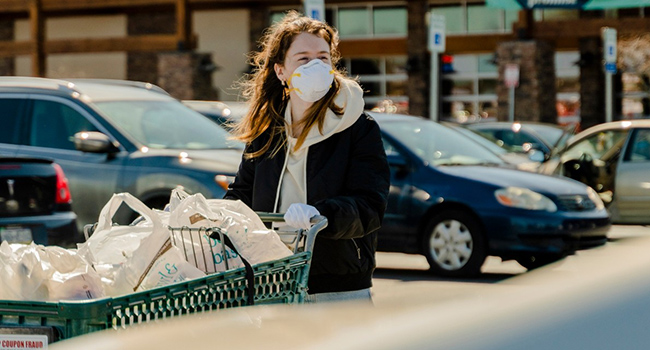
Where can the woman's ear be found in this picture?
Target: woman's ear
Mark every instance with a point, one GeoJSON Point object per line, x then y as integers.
{"type": "Point", "coordinates": [279, 72]}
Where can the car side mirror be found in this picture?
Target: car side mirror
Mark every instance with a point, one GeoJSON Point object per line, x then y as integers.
{"type": "Point", "coordinates": [94, 142]}
{"type": "Point", "coordinates": [536, 156]}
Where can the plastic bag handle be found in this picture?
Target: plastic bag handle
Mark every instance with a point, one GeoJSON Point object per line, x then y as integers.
{"type": "Point", "coordinates": [106, 216]}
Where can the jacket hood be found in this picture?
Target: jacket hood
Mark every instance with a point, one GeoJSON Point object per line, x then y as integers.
{"type": "Point", "coordinates": [350, 98]}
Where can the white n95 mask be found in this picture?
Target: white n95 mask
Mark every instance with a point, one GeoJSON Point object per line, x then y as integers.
{"type": "Point", "coordinates": [312, 80]}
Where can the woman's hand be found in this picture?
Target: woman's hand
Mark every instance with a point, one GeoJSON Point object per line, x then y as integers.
{"type": "Point", "coordinates": [299, 215]}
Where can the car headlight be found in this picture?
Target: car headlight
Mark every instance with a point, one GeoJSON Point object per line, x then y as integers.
{"type": "Point", "coordinates": [224, 181]}
{"type": "Point", "coordinates": [593, 195]}
{"type": "Point", "coordinates": [524, 198]}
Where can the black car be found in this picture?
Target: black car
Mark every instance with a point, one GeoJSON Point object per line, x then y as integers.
{"type": "Point", "coordinates": [527, 136]}
{"type": "Point", "coordinates": [455, 202]}
{"type": "Point", "coordinates": [116, 136]}
{"type": "Point", "coordinates": [35, 203]}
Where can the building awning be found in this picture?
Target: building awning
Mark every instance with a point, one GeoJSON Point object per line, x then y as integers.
{"type": "Point", "coordinates": [567, 4]}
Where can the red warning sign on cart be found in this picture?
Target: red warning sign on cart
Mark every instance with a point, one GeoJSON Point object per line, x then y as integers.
{"type": "Point", "coordinates": [22, 342]}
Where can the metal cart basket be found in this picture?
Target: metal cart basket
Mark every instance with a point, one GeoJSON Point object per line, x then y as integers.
{"type": "Point", "coordinates": [282, 281]}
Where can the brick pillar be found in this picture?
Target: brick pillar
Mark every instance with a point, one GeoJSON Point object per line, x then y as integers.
{"type": "Point", "coordinates": [418, 65]}
{"type": "Point", "coordinates": [143, 66]}
{"type": "Point", "coordinates": [535, 95]}
{"type": "Point", "coordinates": [7, 64]}
{"type": "Point", "coordinates": [592, 82]}
{"type": "Point", "coordinates": [258, 22]}
{"type": "Point", "coordinates": [186, 75]}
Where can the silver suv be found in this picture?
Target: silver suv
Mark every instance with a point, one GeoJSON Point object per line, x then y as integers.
{"type": "Point", "coordinates": [113, 136]}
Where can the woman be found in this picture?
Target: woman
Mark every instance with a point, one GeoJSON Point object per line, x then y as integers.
{"type": "Point", "coordinates": [312, 151]}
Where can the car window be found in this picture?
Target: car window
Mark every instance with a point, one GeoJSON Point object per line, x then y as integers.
{"type": "Point", "coordinates": [640, 149]}
{"type": "Point", "coordinates": [54, 124]}
{"type": "Point", "coordinates": [167, 125]}
{"type": "Point", "coordinates": [596, 145]}
{"type": "Point", "coordinates": [437, 144]}
{"type": "Point", "coordinates": [549, 134]}
{"type": "Point", "coordinates": [10, 111]}
{"type": "Point", "coordinates": [389, 148]}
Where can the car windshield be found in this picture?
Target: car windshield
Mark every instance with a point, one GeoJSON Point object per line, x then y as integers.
{"type": "Point", "coordinates": [548, 133]}
{"type": "Point", "coordinates": [167, 125]}
{"type": "Point", "coordinates": [437, 144]}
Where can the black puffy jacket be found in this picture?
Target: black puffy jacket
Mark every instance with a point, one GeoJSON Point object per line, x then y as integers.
{"type": "Point", "coordinates": [347, 181]}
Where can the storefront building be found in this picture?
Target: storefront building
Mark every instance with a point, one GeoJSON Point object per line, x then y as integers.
{"type": "Point", "coordinates": [196, 49]}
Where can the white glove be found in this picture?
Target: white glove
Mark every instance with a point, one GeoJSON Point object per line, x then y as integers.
{"type": "Point", "coordinates": [298, 215]}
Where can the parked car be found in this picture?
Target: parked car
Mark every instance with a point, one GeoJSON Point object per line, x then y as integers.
{"type": "Point", "coordinates": [35, 203]}
{"type": "Point", "coordinates": [224, 114]}
{"type": "Point", "coordinates": [614, 159]}
{"type": "Point", "coordinates": [113, 136]}
{"type": "Point", "coordinates": [526, 136]}
{"type": "Point", "coordinates": [529, 161]}
{"type": "Point", "coordinates": [454, 202]}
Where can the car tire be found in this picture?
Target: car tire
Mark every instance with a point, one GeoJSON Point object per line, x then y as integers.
{"type": "Point", "coordinates": [532, 262]}
{"type": "Point", "coordinates": [454, 244]}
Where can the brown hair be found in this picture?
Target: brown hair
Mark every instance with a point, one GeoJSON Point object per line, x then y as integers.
{"type": "Point", "coordinates": [265, 93]}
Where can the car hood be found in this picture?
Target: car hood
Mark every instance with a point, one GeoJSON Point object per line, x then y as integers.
{"type": "Point", "coordinates": [504, 177]}
{"type": "Point", "coordinates": [221, 160]}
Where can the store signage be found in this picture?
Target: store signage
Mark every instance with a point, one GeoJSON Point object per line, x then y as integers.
{"type": "Point", "coordinates": [609, 49]}
{"type": "Point", "coordinates": [511, 75]}
{"type": "Point", "coordinates": [537, 4]}
{"type": "Point", "coordinates": [437, 40]}
{"type": "Point", "coordinates": [315, 9]}
{"type": "Point", "coordinates": [567, 4]}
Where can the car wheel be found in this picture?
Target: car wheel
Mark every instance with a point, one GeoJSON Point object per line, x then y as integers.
{"type": "Point", "coordinates": [536, 261]}
{"type": "Point", "coordinates": [454, 244]}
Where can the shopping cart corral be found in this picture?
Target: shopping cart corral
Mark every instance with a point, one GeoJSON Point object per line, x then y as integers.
{"type": "Point", "coordinates": [281, 281]}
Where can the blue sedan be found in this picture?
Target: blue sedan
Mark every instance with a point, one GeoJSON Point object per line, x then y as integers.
{"type": "Point", "coordinates": [454, 202]}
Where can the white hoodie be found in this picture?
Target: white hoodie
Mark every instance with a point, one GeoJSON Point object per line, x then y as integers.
{"type": "Point", "coordinates": [293, 181]}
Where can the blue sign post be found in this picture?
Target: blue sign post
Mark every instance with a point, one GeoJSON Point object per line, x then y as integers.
{"type": "Point", "coordinates": [609, 59]}
{"type": "Point", "coordinates": [437, 43]}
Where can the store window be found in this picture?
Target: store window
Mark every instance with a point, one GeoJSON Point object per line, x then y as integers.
{"type": "Point", "coordinates": [567, 87]}
{"type": "Point", "coordinates": [469, 91]}
{"type": "Point", "coordinates": [473, 19]}
{"type": "Point", "coordinates": [370, 21]}
{"type": "Point", "coordinates": [354, 22]}
{"type": "Point", "coordinates": [383, 80]}
{"type": "Point", "coordinates": [390, 21]}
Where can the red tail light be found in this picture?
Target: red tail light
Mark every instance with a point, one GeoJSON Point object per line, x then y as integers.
{"type": "Point", "coordinates": [62, 189]}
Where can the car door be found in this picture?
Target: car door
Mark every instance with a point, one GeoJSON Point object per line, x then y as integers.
{"type": "Point", "coordinates": [93, 177]}
{"type": "Point", "coordinates": [393, 233]}
{"type": "Point", "coordinates": [594, 160]}
{"type": "Point", "coordinates": [633, 179]}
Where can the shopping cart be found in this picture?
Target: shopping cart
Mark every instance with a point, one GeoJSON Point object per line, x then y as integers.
{"type": "Point", "coordinates": [281, 281]}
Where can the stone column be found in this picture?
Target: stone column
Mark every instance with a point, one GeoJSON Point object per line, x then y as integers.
{"type": "Point", "coordinates": [186, 75]}
{"type": "Point", "coordinates": [418, 64]}
{"type": "Point", "coordinates": [592, 82]}
{"type": "Point", "coordinates": [535, 95]}
{"type": "Point", "coordinates": [143, 66]}
{"type": "Point", "coordinates": [7, 64]}
{"type": "Point", "coordinates": [258, 22]}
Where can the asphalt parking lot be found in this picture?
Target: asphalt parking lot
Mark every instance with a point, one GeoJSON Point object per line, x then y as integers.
{"type": "Point", "coordinates": [596, 299]}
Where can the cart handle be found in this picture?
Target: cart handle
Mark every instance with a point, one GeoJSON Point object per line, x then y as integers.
{"type": "Point", "coordinates": [319, 222]}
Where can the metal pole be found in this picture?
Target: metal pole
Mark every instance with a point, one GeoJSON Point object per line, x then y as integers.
{"type": "Point", "coordinates": [609, 105]}
{"type": "Point", "coordinates": [511, 104]}
{"type": "Point", "coordinates": [434, 93]}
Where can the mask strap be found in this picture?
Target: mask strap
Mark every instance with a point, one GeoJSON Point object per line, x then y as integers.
{"type": "Point", "coordinates": [288, 89]}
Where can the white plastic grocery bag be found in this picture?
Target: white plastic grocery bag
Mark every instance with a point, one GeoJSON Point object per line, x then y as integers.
{"type": "Point", "coordinates": [191, 220]}
{"type": "Point", "coordinates": [46, 273]}
{"type": "Point", "coordinates": [126, 256]}
{"type": "Point", "coordinates": [243, 226]}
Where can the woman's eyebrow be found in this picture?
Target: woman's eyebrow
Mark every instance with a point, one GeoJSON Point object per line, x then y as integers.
{"type": "Point", "coordinates": [307, 52]}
